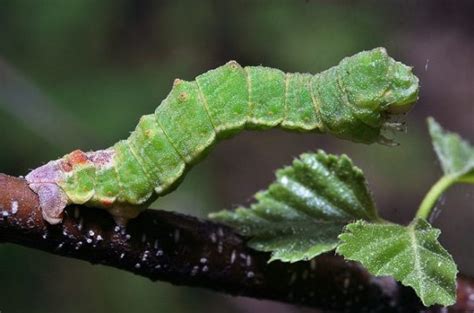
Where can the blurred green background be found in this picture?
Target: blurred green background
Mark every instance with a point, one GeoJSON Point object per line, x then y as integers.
{"type": "Point", "coordinates": [79, 74]}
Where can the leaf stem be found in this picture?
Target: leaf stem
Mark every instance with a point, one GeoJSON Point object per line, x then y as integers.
{"type": "Point", "coordinates": [433, 195]}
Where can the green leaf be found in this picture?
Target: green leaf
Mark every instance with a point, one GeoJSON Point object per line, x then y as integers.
{"type": "Point", "coordinates": [457, 160]}
{"type": "Point", "coordinates": [303, 212]}
{"type": "Point", "coordinates": [455, 154]}
{"type": "Point", "coordinates": [411, 254]}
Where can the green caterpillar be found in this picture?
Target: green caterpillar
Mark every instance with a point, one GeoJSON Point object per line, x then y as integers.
{"type": "Point", "coordinates": [352, 100]}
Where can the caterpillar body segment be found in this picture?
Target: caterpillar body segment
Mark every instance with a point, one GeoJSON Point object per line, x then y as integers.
{"type": "Point", "coordinates": [185, 121]}
{"type": "Point", "coordinates": [135, 185]}
{"type": "Point", "coordinates": [352, 100]}
{"type": "Point", "coordinates": [107, 187]}
{"type": "Point", "coordinates": [225, 95]}
{"type": "Point", "coordinates": [301, 104]}
{"type": "Point", "coordinates": [163, 167]}
{"type": "Point", "coordinates": [267, 91]}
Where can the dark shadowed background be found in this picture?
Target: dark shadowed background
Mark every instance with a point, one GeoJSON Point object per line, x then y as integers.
{"type": "Point", "coordinates": [80, 73]}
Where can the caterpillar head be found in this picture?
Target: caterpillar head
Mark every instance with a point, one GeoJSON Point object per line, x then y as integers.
{"type": "Point", "coordinates": [377, 87]}
{"type": "Point", "coordinates": [403, 88]}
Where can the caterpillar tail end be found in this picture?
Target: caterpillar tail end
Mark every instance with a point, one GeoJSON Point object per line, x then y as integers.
{"type": "Point", "coordinates": [52, 198]}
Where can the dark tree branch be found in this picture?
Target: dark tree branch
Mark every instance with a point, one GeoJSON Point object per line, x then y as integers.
{"type": "Point", "coordinates": [187, 251]}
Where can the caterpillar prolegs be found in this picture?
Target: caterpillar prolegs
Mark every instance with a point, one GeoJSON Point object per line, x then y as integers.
{"type": "Point", "coordinates": [352, 100]}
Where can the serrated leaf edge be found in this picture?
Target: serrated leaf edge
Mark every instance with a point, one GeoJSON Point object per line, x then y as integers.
{"type": "Point", "coordinates": [412, 234]}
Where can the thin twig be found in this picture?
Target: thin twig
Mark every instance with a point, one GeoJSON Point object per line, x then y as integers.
{"type": "Point", "coordinates": [184, 250]}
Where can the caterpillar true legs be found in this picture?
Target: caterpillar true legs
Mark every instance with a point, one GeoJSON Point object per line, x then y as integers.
{"type": "Point", "coordinates": [352, 100]}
